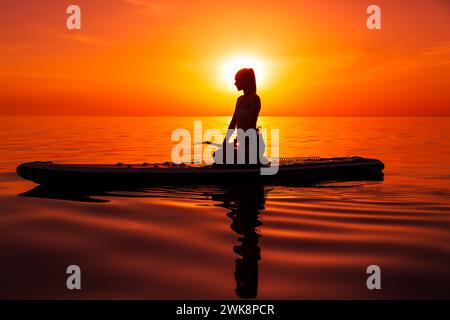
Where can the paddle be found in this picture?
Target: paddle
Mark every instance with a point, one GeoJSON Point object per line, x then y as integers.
{"type": "Point", "coordinates": [211, 143]}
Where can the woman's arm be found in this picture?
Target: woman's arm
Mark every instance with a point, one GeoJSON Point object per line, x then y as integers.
{"type": "Point", "coordinates": [231, 128]}
{"type": "Point", "coordinates": [232, 124]}
{"type": "Point", "coordinates": [233, 121]}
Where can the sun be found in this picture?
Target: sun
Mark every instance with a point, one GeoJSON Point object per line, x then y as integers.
{"type": "Point", "coordinates": [232, 65]}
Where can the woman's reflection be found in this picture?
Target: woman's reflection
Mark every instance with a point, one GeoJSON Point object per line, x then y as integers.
{"type": "Point", "coordinates": [246, 202]}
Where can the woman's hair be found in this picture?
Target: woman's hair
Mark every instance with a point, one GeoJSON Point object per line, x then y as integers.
{"type": "Point", "coordinates": [249, 74]}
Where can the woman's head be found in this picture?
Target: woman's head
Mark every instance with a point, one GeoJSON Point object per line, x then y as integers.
{"type": "Point", "coordinates": [245, 80]}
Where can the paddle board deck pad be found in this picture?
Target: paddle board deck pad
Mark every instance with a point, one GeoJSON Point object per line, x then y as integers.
{"type": "Point", "coordinates": [141, 175]}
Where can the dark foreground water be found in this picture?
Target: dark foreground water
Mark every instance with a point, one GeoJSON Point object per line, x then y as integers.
{"type": "Point", "coordinates": [212, 242]}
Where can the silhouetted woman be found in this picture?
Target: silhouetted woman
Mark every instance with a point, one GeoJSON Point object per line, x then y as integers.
{"type": "Point", "coordinates": [247, 109]}
{"type": "Point", "coordinates": [249, 104]}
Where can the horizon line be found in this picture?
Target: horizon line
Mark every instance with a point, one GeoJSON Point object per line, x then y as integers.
{"type": "Point", "coordinates": [190, 116]}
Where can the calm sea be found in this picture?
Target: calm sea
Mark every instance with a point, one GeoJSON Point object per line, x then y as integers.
{"type": "Point", "coordinates": [208, 242]}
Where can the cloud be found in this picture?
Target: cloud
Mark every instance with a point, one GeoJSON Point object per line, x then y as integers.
{"type": "Point", "coordinates": [146, 6]}
{"type": "Point", "coordinates": [439, 53]}
{"type": "Point", "coordinates": [14, 48]}
{"type": "Point", "coordinates": [82, 38]}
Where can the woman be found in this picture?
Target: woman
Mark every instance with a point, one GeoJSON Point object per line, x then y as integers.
{"type": "Point", "coordinates": [248, 105]}
{"type": "Point", "coordinates": [245, 116]}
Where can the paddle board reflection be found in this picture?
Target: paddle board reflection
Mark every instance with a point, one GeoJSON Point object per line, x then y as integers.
{"type": "Point", "coordinates": [245, 202]}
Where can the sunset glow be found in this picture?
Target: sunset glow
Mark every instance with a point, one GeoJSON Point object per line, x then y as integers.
{"type": "Point", "coordinates": [232, 65]}
{"type": "Point", "coordinates": [179, 57]}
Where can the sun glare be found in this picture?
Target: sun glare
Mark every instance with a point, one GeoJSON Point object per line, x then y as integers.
{"type": "Point", "coordinates": [234, 64]}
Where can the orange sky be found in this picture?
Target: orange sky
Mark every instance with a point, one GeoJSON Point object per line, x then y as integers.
{"type": "Point", "coordinates": [138, 57]}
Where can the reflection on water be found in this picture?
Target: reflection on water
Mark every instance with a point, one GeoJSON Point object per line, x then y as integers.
{"type": "Point", "coordinates": [246, 202]}
{"type": "Point", "coordinates": [317, 235]}
{"type": "Point", "coordinates": [285, 242]}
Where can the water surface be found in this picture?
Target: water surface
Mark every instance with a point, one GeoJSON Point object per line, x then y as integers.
{"type": "Point", "coordinates": [208, 242]}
